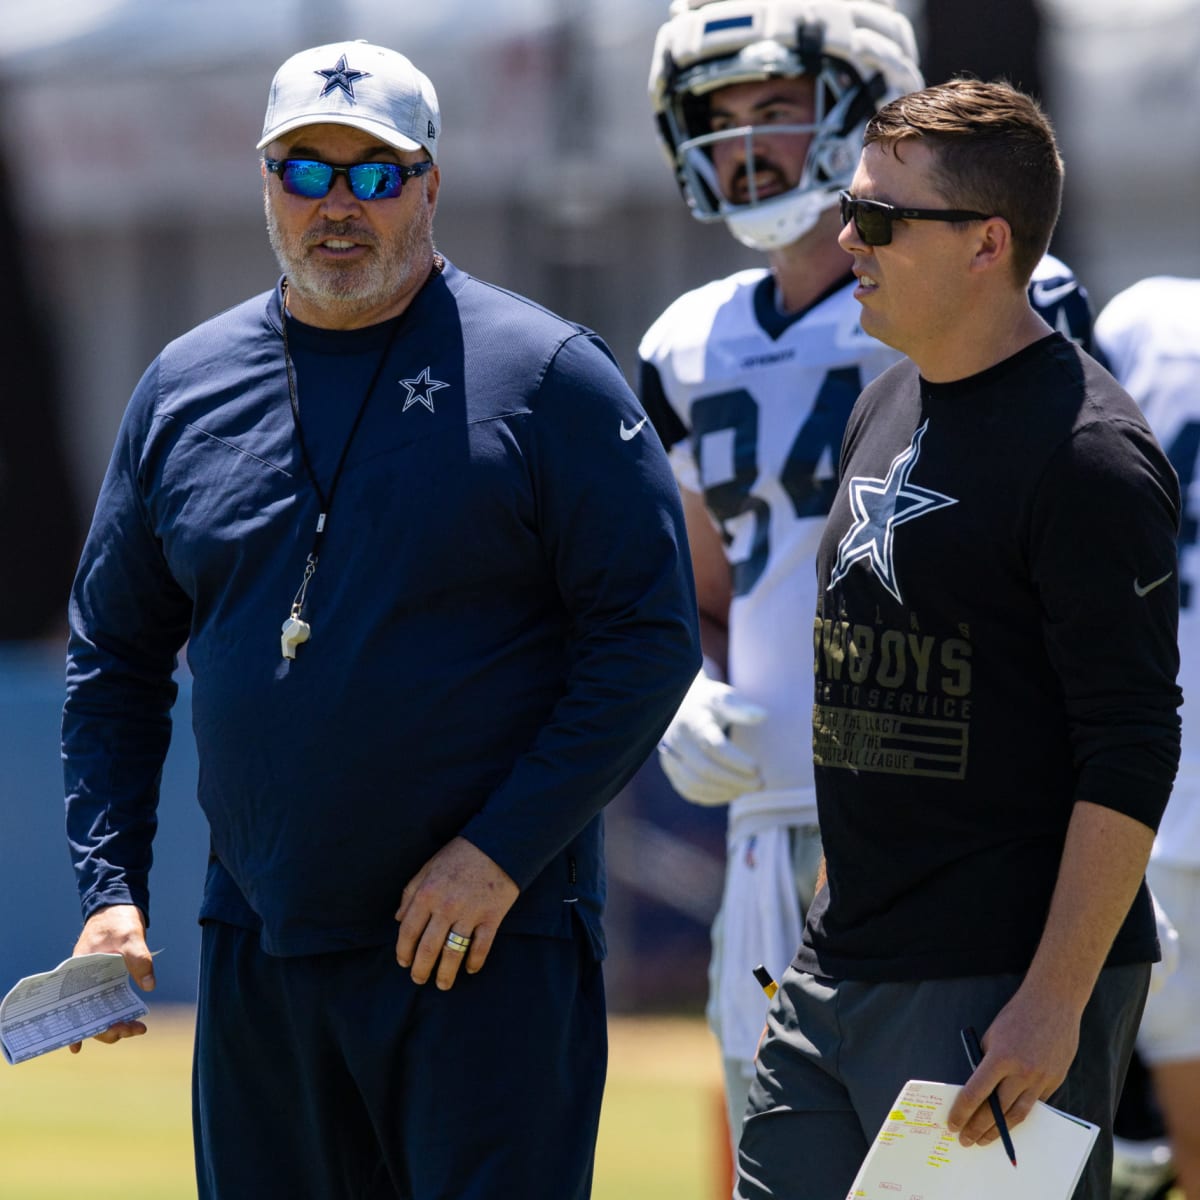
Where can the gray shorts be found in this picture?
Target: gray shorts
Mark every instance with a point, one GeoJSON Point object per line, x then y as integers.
{"type": "Point", "coordinates": [837, 1053]}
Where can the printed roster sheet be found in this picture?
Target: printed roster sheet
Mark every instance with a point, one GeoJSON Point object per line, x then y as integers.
{"type": "Point", "coordinates": [914, 1155]}
{"type": "Point", "coordinates": [81, 997]}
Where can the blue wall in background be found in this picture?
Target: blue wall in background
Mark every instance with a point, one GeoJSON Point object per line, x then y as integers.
{"type": "Point", "coordinates": [39, 904]}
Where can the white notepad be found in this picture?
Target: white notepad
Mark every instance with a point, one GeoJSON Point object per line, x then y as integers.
{"type": "Point", "coordinates": [914, 1155]}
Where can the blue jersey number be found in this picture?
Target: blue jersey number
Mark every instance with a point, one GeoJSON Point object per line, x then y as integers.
{"type": "Point", "coordinates": [735, 414]}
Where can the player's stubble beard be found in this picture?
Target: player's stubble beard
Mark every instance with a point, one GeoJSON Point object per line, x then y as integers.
{"type": "Point", "coordinates": [399, 261]}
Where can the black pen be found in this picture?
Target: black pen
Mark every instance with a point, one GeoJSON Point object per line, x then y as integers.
{"type": "Point", "coordinates": [971, 1044]}
{"type": "Point", "coordinates": [765, 981]}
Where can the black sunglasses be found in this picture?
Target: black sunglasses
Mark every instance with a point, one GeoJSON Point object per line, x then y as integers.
{"type": "Point", "coordinates": [873, 219]}
{"type": "Point", "coordinates": [312, 178]}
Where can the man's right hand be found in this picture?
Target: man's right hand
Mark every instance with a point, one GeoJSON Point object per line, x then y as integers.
{"type": "Point", "coordinates": [119, 929]}
{"type": "Point", "coordinates": [695, 753]}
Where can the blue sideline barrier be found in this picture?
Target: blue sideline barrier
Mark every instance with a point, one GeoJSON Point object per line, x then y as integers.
{"type": "Point", "coordinates": [665, 859]}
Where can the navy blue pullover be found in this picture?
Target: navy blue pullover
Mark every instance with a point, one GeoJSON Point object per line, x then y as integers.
{"type": "Point", "coordinates": [503, 618]}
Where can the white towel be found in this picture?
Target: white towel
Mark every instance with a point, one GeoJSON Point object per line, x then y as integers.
{"type": "Point", "coordinates": [760, 922]}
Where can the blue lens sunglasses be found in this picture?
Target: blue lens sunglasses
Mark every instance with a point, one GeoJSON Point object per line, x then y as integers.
{"type": "Point", "coordinates": [311, 178]}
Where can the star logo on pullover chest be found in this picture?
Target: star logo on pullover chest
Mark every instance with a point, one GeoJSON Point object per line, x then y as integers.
{"type": "Point", "coordinates": [879, 506]}
{"type": "Point", "coordinates": [420, 390]}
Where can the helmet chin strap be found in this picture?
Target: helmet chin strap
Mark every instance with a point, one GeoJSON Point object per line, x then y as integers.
{"type": "Point", "coordinates": [779, 221]}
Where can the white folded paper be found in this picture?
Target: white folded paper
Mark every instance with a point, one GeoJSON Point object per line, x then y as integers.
{"type": "Point", "coordinates": [80, 998]}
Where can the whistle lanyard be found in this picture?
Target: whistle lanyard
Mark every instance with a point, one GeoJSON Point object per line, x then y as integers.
{"type": "Point", "coordinates": [295, 629]}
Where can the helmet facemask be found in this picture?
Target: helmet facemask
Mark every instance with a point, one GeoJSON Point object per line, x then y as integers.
{"type": "Point", "coordinates": [800, 40]}
{"type": "Point", "coordinates": [840, 109]}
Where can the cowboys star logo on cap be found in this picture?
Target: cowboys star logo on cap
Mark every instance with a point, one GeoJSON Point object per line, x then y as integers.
{"type": "Point", "coordinates": [341, 76]}
{"type": "Point", "coordinates": [382, 94]}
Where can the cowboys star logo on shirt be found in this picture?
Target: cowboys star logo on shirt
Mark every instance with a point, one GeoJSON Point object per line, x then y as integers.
{"type": "Point", "coordinates": [879, 506]}
{"type": "Point", "coordinates": [420, 390]}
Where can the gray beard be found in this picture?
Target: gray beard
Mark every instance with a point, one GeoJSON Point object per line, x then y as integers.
{"type": "Point", "coordinates": [392, 267]}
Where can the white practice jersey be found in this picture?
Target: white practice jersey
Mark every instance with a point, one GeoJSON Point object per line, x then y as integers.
{"type": "Point", "coordinates": [752, 406]}
{"type": "Point", "coordinates": [1150, 337]}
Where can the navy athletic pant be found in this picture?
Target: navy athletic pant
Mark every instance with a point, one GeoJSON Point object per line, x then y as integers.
{"type": "Point", "coordinates": [334, 1077]}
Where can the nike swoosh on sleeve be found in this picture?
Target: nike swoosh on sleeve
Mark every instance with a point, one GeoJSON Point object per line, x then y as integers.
{"type": "Point", "coordinates": [1139, 590]}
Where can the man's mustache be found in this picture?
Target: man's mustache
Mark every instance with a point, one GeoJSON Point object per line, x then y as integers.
{"type": "Point", "coordinates": [759, 165]}
{"type": "Point", "coordinates": [339, 229]}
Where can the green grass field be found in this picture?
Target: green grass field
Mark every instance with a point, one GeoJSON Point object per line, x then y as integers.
{"type": "Point", "coordinates": [113, 1123]}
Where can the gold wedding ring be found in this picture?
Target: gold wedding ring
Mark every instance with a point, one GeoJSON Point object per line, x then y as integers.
{"type": "Point", "coordinates": [457, 943]}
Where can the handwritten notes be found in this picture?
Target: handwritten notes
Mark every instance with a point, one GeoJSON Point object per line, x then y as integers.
{"type": "Point", "coordinates": [914, 1157]}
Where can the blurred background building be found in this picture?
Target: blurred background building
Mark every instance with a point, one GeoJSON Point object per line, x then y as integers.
{"type": "Point", "coordinates": [130, 196]}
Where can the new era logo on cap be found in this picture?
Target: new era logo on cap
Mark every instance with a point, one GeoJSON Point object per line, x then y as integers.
{"type": "Point", "coordinates": [357, 84]}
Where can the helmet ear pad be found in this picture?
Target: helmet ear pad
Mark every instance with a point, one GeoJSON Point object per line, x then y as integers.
{"type": "Point", "coordinates": [696, 118]}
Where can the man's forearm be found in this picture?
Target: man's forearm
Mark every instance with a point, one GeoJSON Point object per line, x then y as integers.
{"type": "Point", "coordinates": [1103, 862]}
{"type": "Point", "coordinates": [1034, 1038]}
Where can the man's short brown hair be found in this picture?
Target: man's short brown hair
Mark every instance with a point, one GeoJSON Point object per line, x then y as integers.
{"type": "Point", "coordinates": [994, 152]}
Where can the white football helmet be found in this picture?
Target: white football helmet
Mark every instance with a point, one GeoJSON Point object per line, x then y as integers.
{"type": "Point", "coordinates": [860, 53]}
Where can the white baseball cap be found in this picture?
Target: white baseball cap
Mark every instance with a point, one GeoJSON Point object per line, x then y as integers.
{"type": "Point", "coordinates": [354, 83]}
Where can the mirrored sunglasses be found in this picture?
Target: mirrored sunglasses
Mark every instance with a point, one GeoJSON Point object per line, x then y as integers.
{"type": "Point", "coordinates": [873, 219]}
{"type": "Point", "coordinates": [311, 178]}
